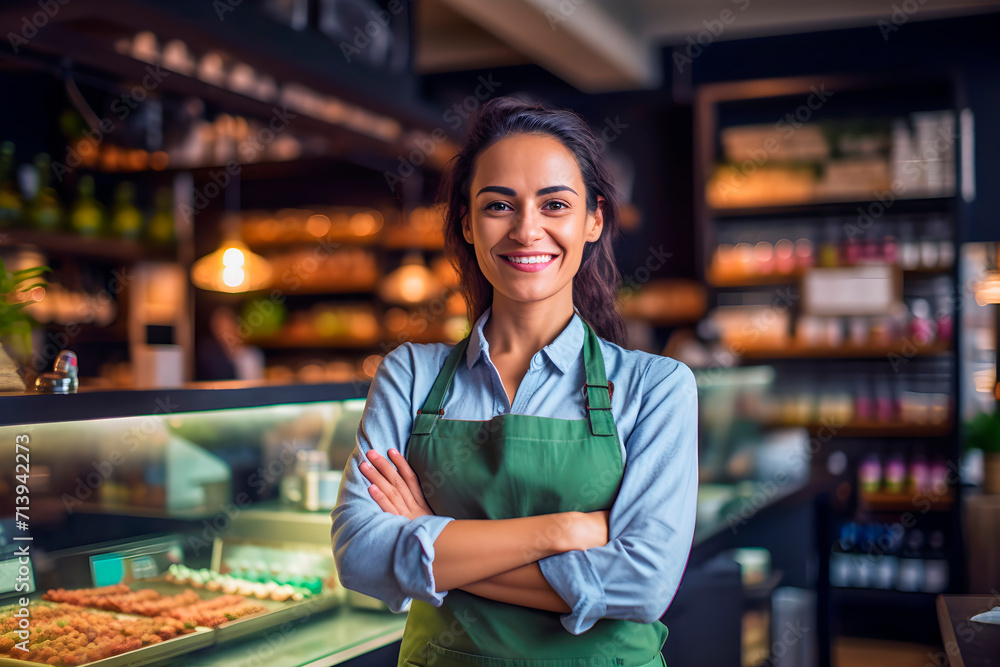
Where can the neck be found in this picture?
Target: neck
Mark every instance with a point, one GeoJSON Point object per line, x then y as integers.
{"type": "Point", "coordinates": [515, 327]}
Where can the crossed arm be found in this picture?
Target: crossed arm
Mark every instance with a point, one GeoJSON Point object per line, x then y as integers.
{"type": "Point", "coordinates": [495, 559]}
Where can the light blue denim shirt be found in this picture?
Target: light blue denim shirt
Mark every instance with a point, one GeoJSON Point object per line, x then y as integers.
{"type": "Point", "coordinates": [655, 403]}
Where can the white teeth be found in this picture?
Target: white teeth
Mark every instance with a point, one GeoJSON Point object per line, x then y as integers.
{"type": "Point", "coordinates": [532, 259]}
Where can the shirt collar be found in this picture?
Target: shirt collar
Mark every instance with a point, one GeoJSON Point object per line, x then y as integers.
{"type": "Point", "coordinates": [563, 351]}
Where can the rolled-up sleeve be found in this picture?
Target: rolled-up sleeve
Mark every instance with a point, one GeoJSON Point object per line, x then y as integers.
{"type": "Point", "coordinates": [636, 575]}
{"type": "Point", "coordinates": [376, 553]}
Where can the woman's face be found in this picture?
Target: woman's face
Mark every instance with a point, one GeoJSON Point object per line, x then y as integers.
{"type": "Point", "coordinates": [528, 218]}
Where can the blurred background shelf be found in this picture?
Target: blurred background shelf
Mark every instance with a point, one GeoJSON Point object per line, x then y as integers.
{"type": "Point", "coordinates": [96, 247]}
{"type": "Point", "coordinates": [864, 429]}
{"type": "Point", "coordinates": [847, 206]}
{"type": "Point", "coordinates": [902, 502]}
{"type": "Point", "coordinates": [793, 350]}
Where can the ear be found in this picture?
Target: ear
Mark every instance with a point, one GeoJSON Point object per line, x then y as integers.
{"type": "Point", "coordinates": [466, 229]}
{"type": "Point", "coordinates": [596, 221]}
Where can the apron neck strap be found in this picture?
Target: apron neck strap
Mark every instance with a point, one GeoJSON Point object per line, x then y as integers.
{"type": "Point", "coordinates": [597, 390]}
{"type": "Point", "coordinates": [434, 404]}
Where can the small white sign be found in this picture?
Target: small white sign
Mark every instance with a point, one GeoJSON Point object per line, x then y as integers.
{"type": "Point", "coordinates": [853, 290]}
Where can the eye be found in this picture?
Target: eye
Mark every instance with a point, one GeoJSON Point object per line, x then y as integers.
{"type": "Point", "coordinates": [494, 206]}
{"type": "Point", "coordinates": [556, 205]}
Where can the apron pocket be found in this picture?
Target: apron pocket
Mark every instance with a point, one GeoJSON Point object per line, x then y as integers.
{"type": "Point", "coordinates": [442, 657]}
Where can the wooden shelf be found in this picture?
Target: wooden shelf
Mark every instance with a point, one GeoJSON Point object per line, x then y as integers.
{"type": "Point", "coordinates": [288, 341]}
{"type": "Point", "coordinates": [888, 597]}
{"type": "Point", "coordinates": [715, 280]}
{"type": "Point", "coordinates": [882, 501]}
{"type": "Point", "coordinates": [797, 351]}
{"type": "Point", "coordinates": [759, 280]}
{"type": "Point", "coordinates": [846, 205]}
{"type": "Point", "coordinates": [860, 429]}
{"type": "Point", "coordinates": [345, 287]}
{"type": "Point", "coordinates": [70, 245]}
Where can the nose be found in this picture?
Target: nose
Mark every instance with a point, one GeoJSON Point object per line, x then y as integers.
{"type": "Point", "coordinates": [527, 227]}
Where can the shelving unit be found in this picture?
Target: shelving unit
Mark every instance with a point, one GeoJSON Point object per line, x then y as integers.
{"type": "Point", "coordinates": [860, 110]}
{"type": "Point", "coordinates": [352, 121]}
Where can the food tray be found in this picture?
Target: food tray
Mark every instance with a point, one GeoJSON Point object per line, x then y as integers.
{"type": "Point", "coordinates": [171, 648]}
{"type": "Point", "coordinates": [277, 612]}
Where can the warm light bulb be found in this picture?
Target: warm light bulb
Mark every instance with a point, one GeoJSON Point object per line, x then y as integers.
{"type": "Point", "coordinates": [413, 286]}
{"type": "Point", "coordinates": [233, 257]}
{"type": "Point", "coordinates": [233, 276]}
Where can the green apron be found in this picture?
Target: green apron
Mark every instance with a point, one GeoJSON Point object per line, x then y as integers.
{"type": "Point", "coordinates": [512, 466]}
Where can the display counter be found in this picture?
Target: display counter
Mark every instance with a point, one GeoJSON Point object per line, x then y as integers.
{"type": "Point", "coordinates": [223, 464]}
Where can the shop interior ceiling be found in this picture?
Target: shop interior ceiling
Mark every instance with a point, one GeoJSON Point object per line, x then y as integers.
{"type": "Point", "coordinates": [605, 45]}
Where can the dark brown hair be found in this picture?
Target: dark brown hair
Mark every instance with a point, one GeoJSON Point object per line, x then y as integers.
{"type": "Point", "coordinates": [595, 285]}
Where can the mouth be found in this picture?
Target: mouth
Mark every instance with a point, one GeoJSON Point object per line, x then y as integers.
{"type": "Point", "coordinates": [529, 263]}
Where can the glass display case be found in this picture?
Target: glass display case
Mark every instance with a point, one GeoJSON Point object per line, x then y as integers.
{"type": "Point", "coordinates": [179, 508]}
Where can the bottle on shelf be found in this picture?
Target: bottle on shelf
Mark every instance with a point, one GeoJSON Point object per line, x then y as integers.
{"type": "Point", "coordinates": [935, 565]}
{"type": "Point", "coordinates": [842, 556]}
{"type": "Point", "coordinates": [126, 218]}
{"type": "Point", "coordinates": [87, 215]}
{"type": "Point", "coordinates": [11, 205]}
{"type": "Point", "coordinates": [895, 473]}
{"type": "Point", "coordinates": [829, 254]}
{"type": "Point", "coordinates": [870, 473]}
{"type": "Point", "coordinates": [867, 556]}
{"type": "Point", "coordinates": [919, 474]}
{"type": "Point", "coordinates": [44, 211]}
{"type": "Point", "coordinates": [911, 562]}
{"type": "Point", "coordinates": [887, 566]}
{"type": "Point", "coordinates": [161, 225]}
{"type": "Point", "coordinates": [921, 326]}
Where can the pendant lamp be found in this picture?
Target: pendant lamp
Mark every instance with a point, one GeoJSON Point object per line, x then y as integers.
{"type": "Point", "coordinates": [411, 283]}
{"type": "Point", "coordinates": [233, 268]}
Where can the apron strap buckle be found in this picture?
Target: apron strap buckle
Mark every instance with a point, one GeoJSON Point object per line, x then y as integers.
{"type": "Point", "coordinates": [601, 422]}
{"type": "Point", "coordinates": [611, 392]}
{"type": "Point", "coordinates": [424, 422]}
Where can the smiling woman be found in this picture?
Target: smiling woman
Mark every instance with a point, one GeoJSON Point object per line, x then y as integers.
{"type": "Point", "coordinates": [548, 519]}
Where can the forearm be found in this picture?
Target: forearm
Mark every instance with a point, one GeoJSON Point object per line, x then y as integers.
{"type": "Point", "coordinates": [469, 551]}
{"type": "Point", "coordinates": [525, 586]}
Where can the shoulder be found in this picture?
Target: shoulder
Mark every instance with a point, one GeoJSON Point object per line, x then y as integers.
{"type": "Point", "coordinates": [645, 368]}
{"type": "Point", "coordinates": [416, 359]}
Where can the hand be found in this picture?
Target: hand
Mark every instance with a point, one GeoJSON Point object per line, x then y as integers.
{"type": "Point", "coordinates": [590, 529]}
{"type": "Point", "coordinates": [395, 489]}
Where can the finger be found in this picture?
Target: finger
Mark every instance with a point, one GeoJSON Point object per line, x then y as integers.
{"type": "Point", "coordinates": [376, 477]}
{"type": "Point", "coordinates": [389, 472]}
{"type": "Point", "coordinates": [381, 500]}
{"type": "Point", "coordinates": [410, 477]}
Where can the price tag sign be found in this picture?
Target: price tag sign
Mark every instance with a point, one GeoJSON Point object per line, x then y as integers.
{"type": "Point", "coordinates": [851, 290]}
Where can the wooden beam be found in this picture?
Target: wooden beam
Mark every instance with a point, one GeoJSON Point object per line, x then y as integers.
{"type": "Point", "coordinates": [574, 39]}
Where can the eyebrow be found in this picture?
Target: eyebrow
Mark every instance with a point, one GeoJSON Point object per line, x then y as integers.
{"type": "Point", "coordinates": [510, 193]}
